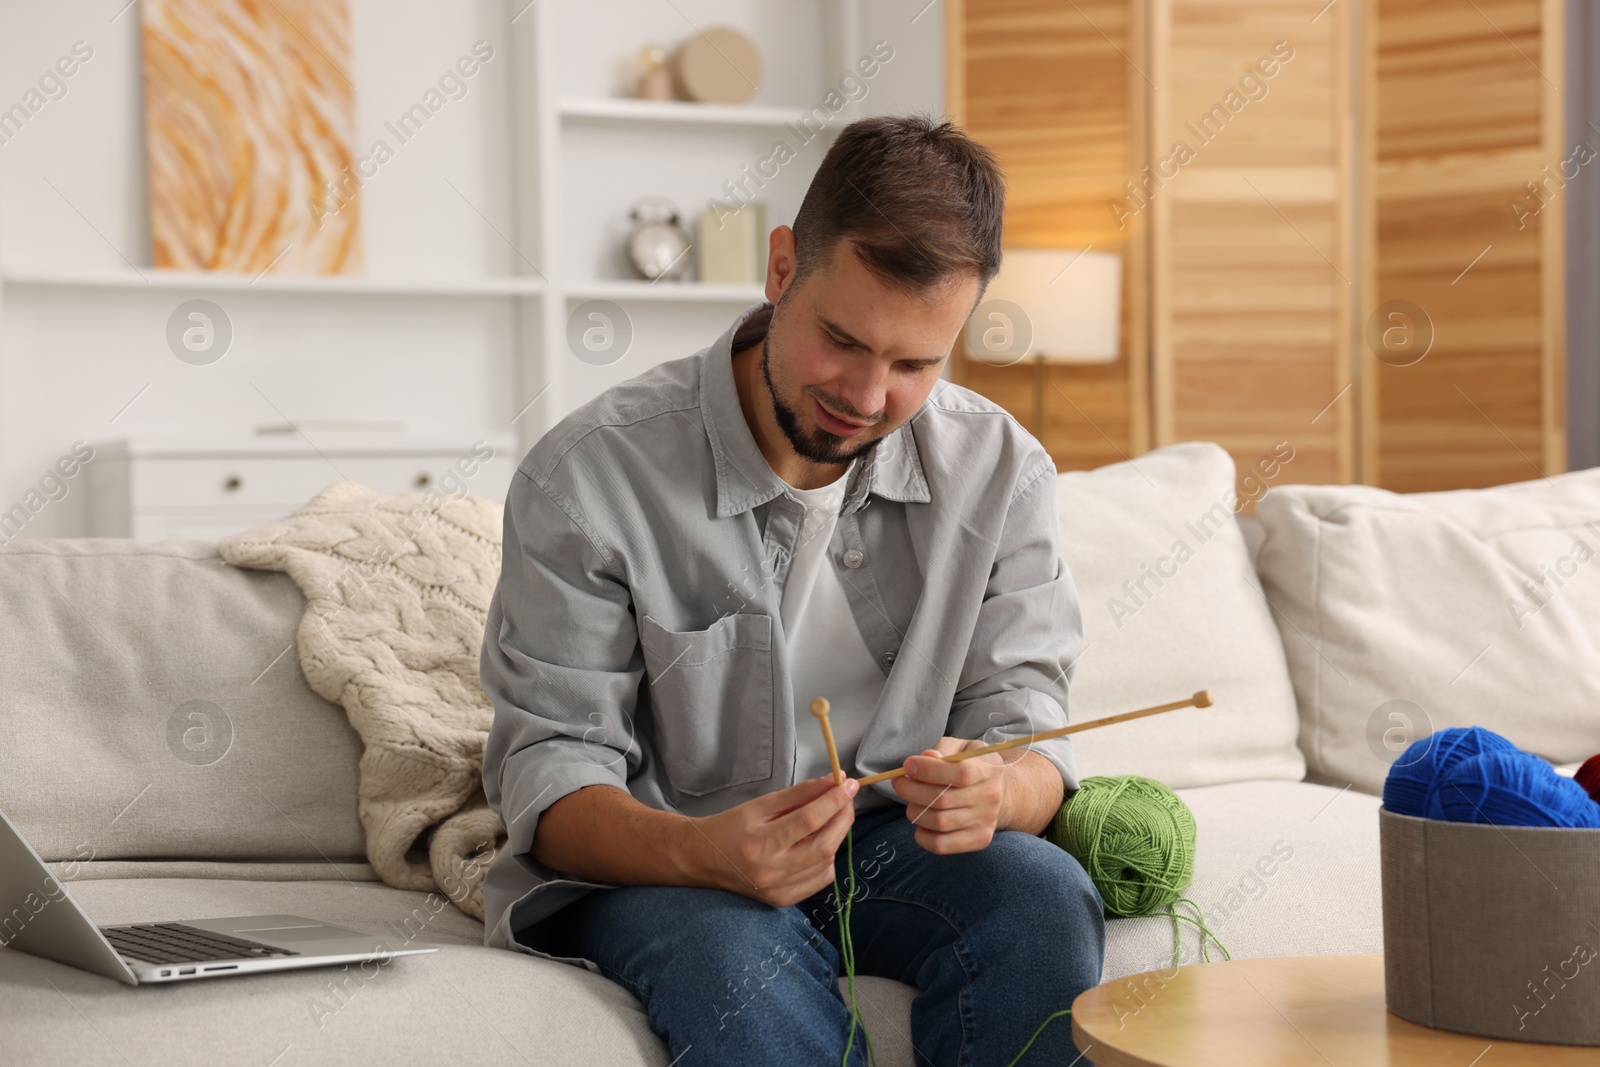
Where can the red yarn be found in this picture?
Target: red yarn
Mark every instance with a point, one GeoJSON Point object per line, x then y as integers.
{"type": "Point", "coordinates": [1588, 776]}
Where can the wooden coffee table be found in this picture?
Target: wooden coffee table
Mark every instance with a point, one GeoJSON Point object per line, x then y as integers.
{"type": "Point", "coordinates": [1319, 1010]}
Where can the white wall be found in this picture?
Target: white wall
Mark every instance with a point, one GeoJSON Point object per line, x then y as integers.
{"type": "Point", "coordinates": [914, 81]}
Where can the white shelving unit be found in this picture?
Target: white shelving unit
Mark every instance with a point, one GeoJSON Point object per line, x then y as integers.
{"type": "Point", "coordinates": [198, 281]}
{"type": "Point", "coordinates": [601, 151]}
{"type": "Point", "coordinates": [667, 292]}
{"type": "Point", "coordinates": [491, 226]}
{"type": "Point", "coordinates": [676, 111]}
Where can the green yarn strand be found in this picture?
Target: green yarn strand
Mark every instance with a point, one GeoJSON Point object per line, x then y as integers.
{"type": "Point", "coordinates": [847, 951]}
{"type": "Point", "coordinates": [1206, 936]}
{"type": "Point", "coordinates": [1036, 1033]}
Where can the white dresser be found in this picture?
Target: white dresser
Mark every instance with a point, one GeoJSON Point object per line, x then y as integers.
{"type": "Point", "coordinates": [153, 488]}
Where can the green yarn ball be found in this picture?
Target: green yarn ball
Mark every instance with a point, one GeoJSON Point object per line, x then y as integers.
{"type": "Point", "coordinates": [1134, 837]}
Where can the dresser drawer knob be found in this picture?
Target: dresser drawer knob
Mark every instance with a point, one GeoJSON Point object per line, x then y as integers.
{"type": "Point", "coordinates": [233, 484]}
{"type": "Point", "coordinates": [423, 480]}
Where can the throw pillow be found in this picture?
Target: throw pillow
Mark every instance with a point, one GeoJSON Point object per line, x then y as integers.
{"type": "Point", "coordinates": [1403, 614]}
{"type": "Point", "coordinates": [1171, 605]}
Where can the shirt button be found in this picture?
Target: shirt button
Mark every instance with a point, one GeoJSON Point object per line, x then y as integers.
{"type": "Point", "coordinates": [854, 558]}
{"type": "Point", "coordinates": [888, 659]}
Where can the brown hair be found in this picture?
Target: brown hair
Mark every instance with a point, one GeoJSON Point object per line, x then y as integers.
{"type": "Point", "coordinates": [921, 201]}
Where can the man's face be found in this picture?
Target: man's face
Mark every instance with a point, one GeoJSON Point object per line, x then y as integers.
{"type": "Point", "coordinates": [849, 358]}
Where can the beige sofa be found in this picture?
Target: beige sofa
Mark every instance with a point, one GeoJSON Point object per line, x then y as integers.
{"type": "Point", "coordinates": [162, 750]}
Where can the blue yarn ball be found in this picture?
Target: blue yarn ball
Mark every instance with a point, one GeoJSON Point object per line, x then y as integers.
{"type": "Point", "coordinates": [1413, 778]}
{"type": "Point", "coordinates": [1513, 788]}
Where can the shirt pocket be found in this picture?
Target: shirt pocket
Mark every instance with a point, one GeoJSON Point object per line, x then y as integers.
{"type": "Point", "coordinates": [711, 697]}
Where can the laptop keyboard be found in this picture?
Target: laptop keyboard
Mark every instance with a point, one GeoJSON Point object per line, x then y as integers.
{"type": "Point", "coordinates": [178, 943]}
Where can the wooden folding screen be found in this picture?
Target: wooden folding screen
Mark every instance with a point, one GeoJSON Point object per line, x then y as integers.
{"type": "Point", "coordinates": [1342, 224]}
{"type": "Point", "coordinates": [1463, 173]}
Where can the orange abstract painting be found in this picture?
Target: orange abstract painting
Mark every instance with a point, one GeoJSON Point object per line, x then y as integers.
{"type": "Point", "coordinates": [249, 119]}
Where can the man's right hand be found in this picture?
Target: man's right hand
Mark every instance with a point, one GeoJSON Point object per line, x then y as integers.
{"type": "Point", "coordinates": [778, 848]}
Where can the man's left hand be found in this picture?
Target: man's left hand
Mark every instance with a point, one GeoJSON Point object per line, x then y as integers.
{"type": "Point", "coordinates": [956, 806]}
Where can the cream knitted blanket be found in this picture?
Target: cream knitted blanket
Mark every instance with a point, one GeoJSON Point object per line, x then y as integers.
{"type": "Point", "coordinates": [397, 590]}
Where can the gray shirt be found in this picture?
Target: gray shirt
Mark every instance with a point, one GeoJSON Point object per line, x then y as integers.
{"type": "Point", "coordinates": [635, 636]}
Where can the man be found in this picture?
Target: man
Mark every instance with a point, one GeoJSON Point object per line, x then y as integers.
{"type": "Point", "coordinates": [803, 509]}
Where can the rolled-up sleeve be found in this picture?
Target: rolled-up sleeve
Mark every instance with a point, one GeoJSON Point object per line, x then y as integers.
{"type": "Point", "coordinates": [560, 663]}
{"type": "Point", "coordinates": [1028, 634]}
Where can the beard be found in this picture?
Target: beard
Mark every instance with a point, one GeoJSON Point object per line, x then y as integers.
{"type": "Point", "coordinates": [818, 447]}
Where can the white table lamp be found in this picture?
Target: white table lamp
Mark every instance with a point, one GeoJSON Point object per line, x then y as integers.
{"type": "Point", "coordinates": [1051, 305]}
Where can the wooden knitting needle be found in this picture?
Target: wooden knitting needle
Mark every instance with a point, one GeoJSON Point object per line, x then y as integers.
{"type": "Point", "coordinates": [819, 708]}
{"type": "Point", "coordinates": [1202, 699]}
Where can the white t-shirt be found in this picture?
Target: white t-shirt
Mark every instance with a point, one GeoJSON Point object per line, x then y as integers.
{"type": "Point", "coordinates": [828, 656]}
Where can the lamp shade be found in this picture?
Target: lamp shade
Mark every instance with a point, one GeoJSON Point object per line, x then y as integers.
{"type": "Point", "coordinates": [1060, 305]}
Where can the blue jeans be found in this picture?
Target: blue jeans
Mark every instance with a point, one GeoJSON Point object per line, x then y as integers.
{"type": "Point", "coordinates": [995, 941]}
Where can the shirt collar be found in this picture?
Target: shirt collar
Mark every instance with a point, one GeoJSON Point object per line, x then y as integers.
{"type": "Point", "coordinates": [893, 470]}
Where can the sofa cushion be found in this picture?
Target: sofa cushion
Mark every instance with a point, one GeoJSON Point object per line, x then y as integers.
{"type": "Point", "coordinates": [1281, 869]}
{"type": "Point", "coordinates": [1405, 614]}
{"type": "Point", "coordinates": [1170, 605]}
{"type": "Point", "coordinates": [147, 711]}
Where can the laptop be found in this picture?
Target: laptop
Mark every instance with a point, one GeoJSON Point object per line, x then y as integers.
{"type": "Point", "coordinates": [38, 916]}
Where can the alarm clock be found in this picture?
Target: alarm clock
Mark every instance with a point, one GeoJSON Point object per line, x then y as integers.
{"type": "Point", "coordinates": [658, 248]}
